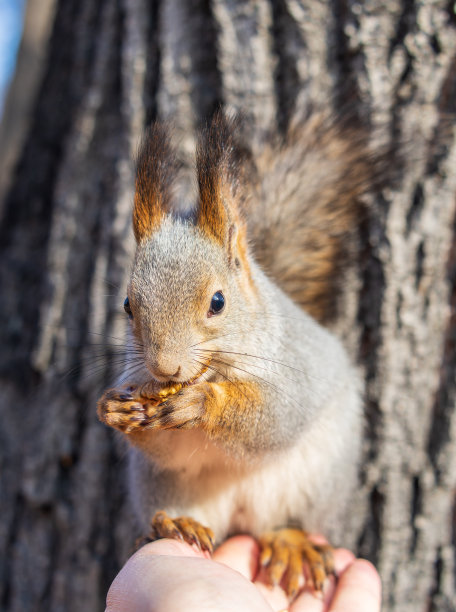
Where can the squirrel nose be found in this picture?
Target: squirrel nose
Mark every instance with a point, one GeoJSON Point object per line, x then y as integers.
{"type": "Point", "coordinates": [162, 373]}
{"type": "Point", "coordinates": [163, 363]}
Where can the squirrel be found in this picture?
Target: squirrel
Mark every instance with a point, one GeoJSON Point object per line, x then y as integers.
{"type": "Point", "coordinates": [243, 412]}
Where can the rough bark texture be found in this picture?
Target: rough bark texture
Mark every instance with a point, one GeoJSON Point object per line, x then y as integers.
{"type": "Point", "coordinates": [66, 243]}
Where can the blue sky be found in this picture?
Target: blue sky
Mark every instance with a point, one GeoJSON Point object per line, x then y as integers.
{"type": "Point", "coordinates": [11, 16]}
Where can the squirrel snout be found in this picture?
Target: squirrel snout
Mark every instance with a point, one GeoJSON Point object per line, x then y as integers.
{"type": "Point", "coordinates": [164, 375]}
{"type": "Point", "coordinates": [164, 368]}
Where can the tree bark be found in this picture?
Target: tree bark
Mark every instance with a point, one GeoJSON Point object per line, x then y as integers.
{"type": "Point", "coordinates": [66, 245]}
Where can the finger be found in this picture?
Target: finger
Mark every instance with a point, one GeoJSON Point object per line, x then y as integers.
{"type": "Point", "coordinates": [275, 596]}
{"type": "Point", "coordinates": [308, 601]}
{"type": "Point", "coordinates": [318, 538]}
{"type": "Point", "coordinates": [342, 559]}
{"type": "Point", "coordinates": [358, 589]}
{"type": "Point", "coordinates": [241, 554]}
{"type": "Point", "coordinates": [156, 580]}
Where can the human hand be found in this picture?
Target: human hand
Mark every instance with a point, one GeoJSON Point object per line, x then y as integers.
{"type": "Point", "coordinates": [168, 575]}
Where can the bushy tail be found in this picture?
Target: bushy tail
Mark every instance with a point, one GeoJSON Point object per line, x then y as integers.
{"type": "Point", "coordinates": [307, 206]}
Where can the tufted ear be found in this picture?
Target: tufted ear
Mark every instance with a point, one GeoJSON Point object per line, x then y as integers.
{"type": "Point", "coordinates": [156, 169]}
{"type": "Point", "coordinates": [219, 170]}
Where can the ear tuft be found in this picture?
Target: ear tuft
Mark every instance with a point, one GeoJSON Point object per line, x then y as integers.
{"type": "Point", "coordinates": [219, 161]}
{"type": "Point", "coordinates": [156, 169]}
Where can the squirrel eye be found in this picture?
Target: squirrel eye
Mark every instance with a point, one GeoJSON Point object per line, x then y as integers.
{"type": "Point", "coordinates": [127, 308]}
{"type": "Point", "coordinates": [217, 304]}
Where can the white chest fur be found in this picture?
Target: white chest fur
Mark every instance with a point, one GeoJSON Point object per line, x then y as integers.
{"type": "Point", "coordinates": [186, 474]}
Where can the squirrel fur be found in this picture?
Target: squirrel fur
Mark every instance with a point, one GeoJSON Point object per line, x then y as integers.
{"type": "Point", "coordinates": [265, 432]}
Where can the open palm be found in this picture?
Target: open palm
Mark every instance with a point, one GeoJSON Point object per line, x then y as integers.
{"type": "Point", "coordinates": [168, 575]}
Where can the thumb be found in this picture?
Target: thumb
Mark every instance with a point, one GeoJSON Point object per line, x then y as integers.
{"type": "Point", "coordinates": [358, 589]}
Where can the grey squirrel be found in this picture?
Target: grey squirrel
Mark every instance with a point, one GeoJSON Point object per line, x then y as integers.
{"type": "Point", "coordinates": [243, 412]}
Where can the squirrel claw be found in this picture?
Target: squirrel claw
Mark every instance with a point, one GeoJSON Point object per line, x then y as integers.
{"type": "Point", "coordinates": [285, 551]}
{"type": "Point", "coordinates": [182, 528]}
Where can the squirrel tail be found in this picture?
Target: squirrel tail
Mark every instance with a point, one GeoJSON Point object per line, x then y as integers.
{"type": "Point", "coordinates": [307, 207]}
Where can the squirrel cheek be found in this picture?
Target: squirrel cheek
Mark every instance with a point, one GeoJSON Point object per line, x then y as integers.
{"type": "Point", "coordinates": [135, 327]}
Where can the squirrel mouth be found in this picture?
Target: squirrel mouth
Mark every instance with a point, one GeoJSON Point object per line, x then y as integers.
{"type": "Point", "coordinates": [174, 388]}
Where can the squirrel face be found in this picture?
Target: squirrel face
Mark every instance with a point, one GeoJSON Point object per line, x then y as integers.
{"type": "Point", "coordinates": [186, 292]}
{"type": "Point", "coordinates": [191, 279]}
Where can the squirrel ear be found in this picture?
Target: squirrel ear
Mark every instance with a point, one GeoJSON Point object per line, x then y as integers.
{"type": "Point", "coordinates": [237, 246]}
{"type": "Point", "coordinates": [218, 170]}
{"type": "Point", "coordinates": [156, 168]}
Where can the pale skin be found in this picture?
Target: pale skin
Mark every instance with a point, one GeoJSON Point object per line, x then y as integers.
{"type": "Point", "coordinates": [171, 575]}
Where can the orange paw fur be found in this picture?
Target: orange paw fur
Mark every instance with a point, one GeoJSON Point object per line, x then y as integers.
{"type": "Point", "coordinates": [182, 528]}
{"type": "Point", "coordinates": [283, 553]}
{"type": "Point", "coordinates": [125, 409]}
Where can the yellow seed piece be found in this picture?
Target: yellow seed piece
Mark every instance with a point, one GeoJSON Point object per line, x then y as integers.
{"type": "Point", "coordinates": [175, 388]}
{"type": "Point", "coordinates": [170, 390]}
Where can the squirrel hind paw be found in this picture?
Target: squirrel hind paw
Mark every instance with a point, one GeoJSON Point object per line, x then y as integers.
{"type": "Point", "coordinates": [182, 528]}
{"type": "Point", "coordinates": [286, 552]}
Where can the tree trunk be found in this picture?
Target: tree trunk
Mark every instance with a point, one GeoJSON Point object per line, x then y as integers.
{"type": "Point", "coordinates": [66, 245]}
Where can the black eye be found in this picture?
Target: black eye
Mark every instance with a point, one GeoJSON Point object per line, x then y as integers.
{"type": "Point", "coordinates": [217, 304]}
{"type": "Point", "coordinates": [127, 308]}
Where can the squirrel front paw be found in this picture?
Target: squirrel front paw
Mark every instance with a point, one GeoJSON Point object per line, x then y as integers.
{"type": "Point", "coordinates": [283, 553]}
{"type": "Point", "coordinates": [131, 409]}
{"type": "Point", "coordinates": [124, 408]}
{"type": "Point", "coordinates": [182, 528]}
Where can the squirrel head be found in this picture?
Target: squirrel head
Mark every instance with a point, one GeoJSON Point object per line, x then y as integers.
{"type": "Point", "coordinates": [191, 280]}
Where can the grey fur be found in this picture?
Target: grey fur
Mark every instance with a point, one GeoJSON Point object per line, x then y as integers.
{"type": "Point", "coordinates": [297, 463]}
